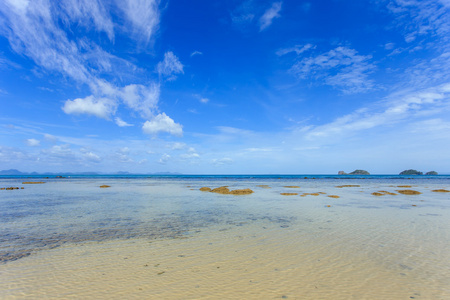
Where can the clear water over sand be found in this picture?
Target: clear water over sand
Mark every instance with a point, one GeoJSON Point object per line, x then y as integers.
{"type": "Point", "coordinates": [163, 238]}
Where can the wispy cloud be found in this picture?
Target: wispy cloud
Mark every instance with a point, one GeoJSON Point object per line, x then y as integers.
{"type": "Point", "coordinates": [170, 66]}
{"type": "Point", "coordinates": [244, 13]}
{"type": "Point", "coordinates": [341, 68]}
{"type": "Point", "coordinates": [196, 53]}
{"type": "Point", "coordinates": [222, 161]}
{"type": "Point", "coordinates": [88, 13]}
{"type": "Point", "coordinates": [33, 142]}
{"type": "Point", "coordinates": [164, 158]}
{"type": "Point", "coordinates": [298, 49]}
{"type": "Point", "coordinates": [143, 99]}
{"type": "Point", "coordinates": [419, 18]}
{"type": "Point", "coordinates": [398, 107]}
{"type": "Point", "coordinates": [269, 15]}
{"type": "Point", "coordinates": [40, 30]}
{"type": "Point", "coordinates": [250, 13]}
{"type": "Point", "coordinates": [90, 156]}
{"type": "Point", "coordinates": [143, 16]}
{"type": "Point", "coordinates": [121, 123]}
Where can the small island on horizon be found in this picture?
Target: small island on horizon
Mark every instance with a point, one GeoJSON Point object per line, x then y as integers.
{"type": "Point", "coordinates": [356, 172]}
{"type": "Point", "coordinates": [15, 172]}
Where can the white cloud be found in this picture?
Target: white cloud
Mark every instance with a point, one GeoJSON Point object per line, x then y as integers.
{"type": "Point", "coordinates": [33, 142]}
{"type": "Point", "coordinates": [170, 66]}
{"type": "Point", "coordinates": [32, 29]}
{"type": "Point", "coordinates": [121, 123]}
{"type": "Point", "coordinates": [298, 49]}
{"type": "Point", "coordinates": [88, 13]}
{"type": "Point", "coordinates": [162, 123]}
{"type": "Point", "coordinates": [341, 68]}
{"type": "Point", "coordinates": [164, 159]}
{"type": "Point", "coordinates": [259, 149]}
{"type": "Point", "coordinates": [178, 146]}
{"type": "Point", "coordinates": [243, 14]}
{"type": "Point", "coordinates": [91, 157]}
{"type": "Point", "coordinates": [50, 138]}
{"type": "Point", "coordinates": [102, 108]}
{"type": "Point", "coordinates": [142, 98]}
{"type": "Point", "coordinates": [124, 150]}
{"type": "Point", "coordinates": [43, 31]}
{"type": "Point", "coordinates": [419, 18]}
{"type": "Point", "coordinates": [389, 46]}
{"type": "Point", "coordinates": [59, 153]}
{"type": "Point", "coordinates": [270, 14]}
{"type": "Point", "coordinates": [406, 105]}
{"type": "Point", "coordinates": [204, 100]}
{"type": "Point", "coordinates": [122, 155]}
{"type": "Point", "coordinates": [142, 16]}
{"type": "Point", "coordinates": [196, 53]}
{"type": "Point", "coordinates": [222, 161]}
{"type": "Point", "coordinates": [104, 102]}
{"type": "Point", "coordinates": [9, 154]}
{"type": "Point", "coordinates": [190, 156]}
{"type": "Point", "coordinates": [234, 131]}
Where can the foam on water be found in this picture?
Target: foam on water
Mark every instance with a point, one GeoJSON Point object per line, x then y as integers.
{"type": "Point", "coordinates": [148, 238]}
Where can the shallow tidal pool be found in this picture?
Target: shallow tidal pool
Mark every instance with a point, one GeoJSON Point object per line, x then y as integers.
{"type": "Point", "coordinates": [164, 238]}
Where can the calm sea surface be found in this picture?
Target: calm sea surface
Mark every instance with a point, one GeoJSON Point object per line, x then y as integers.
{"type": "Point", "coordinates": [161, 237]}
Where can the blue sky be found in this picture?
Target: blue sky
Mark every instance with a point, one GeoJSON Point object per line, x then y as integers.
{"type": "Point", "coordinates": [230, 87]}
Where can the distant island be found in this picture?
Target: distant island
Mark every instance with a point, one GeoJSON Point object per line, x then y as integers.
{"type": "Point", "coordinates": [415, 172]}
{"type": "Point", "coordinates": [356, 172]}
{"type": "Point", "coordinates": [410, 172]}
{"type": "Point", "coordinates": [431, 173]}
{"type": "Point", "coordinates": [15, 172]}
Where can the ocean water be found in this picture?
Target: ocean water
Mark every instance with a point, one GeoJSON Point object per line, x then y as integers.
{"type": "Point", "coordinates": [161, 237]}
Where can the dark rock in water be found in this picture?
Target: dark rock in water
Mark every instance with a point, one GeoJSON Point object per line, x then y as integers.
{"type": "Point", "coordinates": [224, 190]}
{"type": "Point", "coordinates": [342, 173]}
{"type": "Point", "coordinates": [241, 192]}
{"type": "Point", "coordinates": [348, 185]}
{"type": "Point", "coordinates": [409, 192]}
{"type": "Point", "coordinates": [221, 190]}
{"type": "Point", "coordinates": [411, 172]}
{"type": "Point", "coordinates": [359, 172]}
{"type": "Point", "coordinates": [431, 173]}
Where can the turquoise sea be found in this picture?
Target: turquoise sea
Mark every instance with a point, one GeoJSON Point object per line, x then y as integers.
{"type": "Point", "coordinates": [393, 246]}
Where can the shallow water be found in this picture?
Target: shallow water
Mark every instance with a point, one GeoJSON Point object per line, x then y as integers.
{"type": "Point", "coordinates": [162, 237]}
